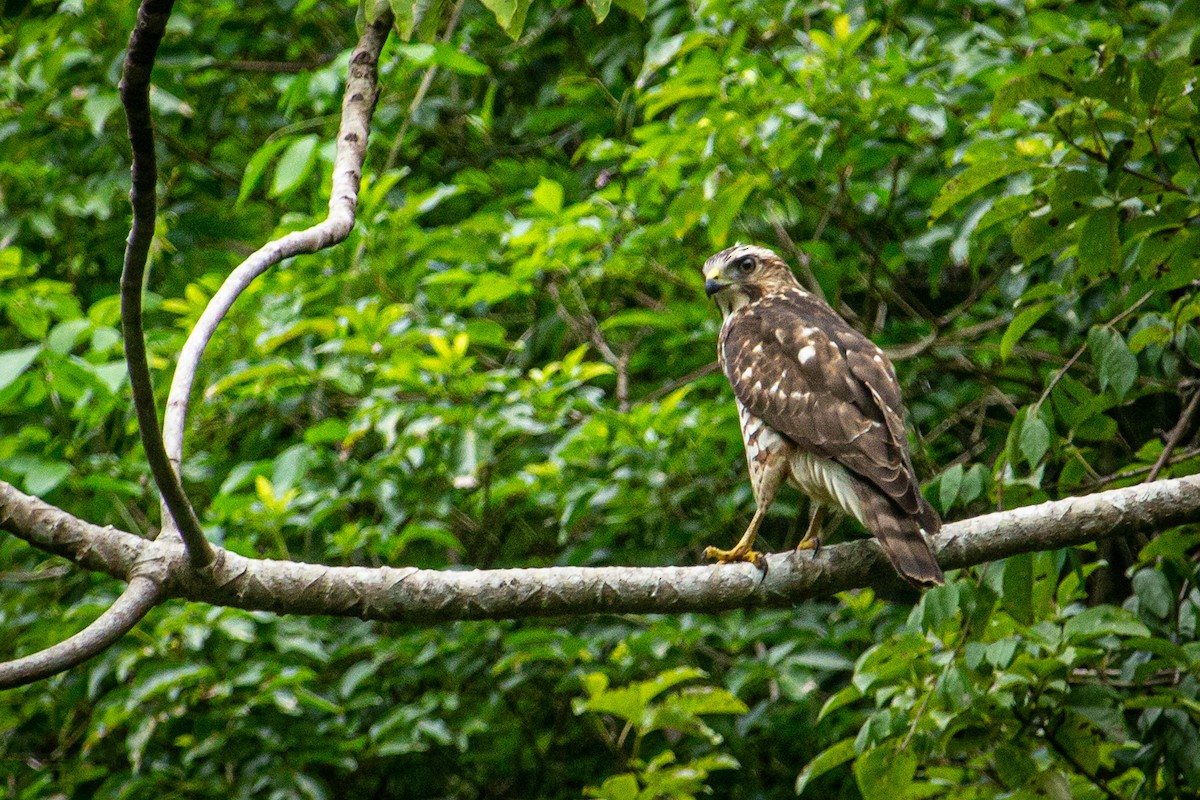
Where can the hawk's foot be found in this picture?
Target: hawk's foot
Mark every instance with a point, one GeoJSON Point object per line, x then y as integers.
{"type": "Point", "coordinates": [738, 553]}
{"type": "Point", "coordinates": [810, 543]}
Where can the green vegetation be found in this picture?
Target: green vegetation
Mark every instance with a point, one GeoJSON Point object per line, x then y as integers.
{"type": "Point", "coordinates": [506, 365]}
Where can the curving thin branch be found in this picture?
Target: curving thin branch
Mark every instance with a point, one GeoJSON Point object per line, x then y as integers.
{"type": "Point", "coordinates": [141, 595]}
{"type": "Point", "coordinates": [358, 106]}
{"type": "Point", "coordinates": [416, 595]}
{"type": "Point", "coordinates": [135, 97]}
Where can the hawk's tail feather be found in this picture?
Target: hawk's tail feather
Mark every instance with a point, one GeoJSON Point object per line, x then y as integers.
{"type": "Point", "coordinates": [903, 543]}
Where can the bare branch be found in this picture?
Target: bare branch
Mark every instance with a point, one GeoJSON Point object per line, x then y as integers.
{"type": "Point", "coordinates": [135, 97]}
{"type": "Point", "coordinates": [358, 105]}
{"type": "Point", "coordinates": [141, 595]}
{"type": "Point", "coordinates": [1181, 427]}
{"type": "Point", "coordinates": [416, 595]}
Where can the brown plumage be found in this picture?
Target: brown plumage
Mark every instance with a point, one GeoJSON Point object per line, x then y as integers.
{"type": "Point", "coordinates": [820, 409]}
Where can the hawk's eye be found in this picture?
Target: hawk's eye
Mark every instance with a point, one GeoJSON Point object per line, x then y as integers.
{"type": "Point", "coordinates": [744, 265]}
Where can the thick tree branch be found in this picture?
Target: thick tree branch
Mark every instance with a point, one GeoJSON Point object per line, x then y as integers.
{"type": "Point", "coordinates": [410, 594]}
{"type": "Point", "coordinates": [358, 105]}
{"type": "Point", "coordinates": [135, 97]}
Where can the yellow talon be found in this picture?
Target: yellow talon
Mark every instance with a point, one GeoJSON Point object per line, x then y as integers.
{"type": "Point", "coordinates": [809, 543]}
{"type": "Point", "coordinates": [736, 555]}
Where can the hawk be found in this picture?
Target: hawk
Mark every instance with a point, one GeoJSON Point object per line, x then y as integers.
{"type": "Point", "coordinates": [820, 409]}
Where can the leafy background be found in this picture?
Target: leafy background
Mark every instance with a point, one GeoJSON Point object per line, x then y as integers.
{"type": "Point", "coordinates": [509, 364]}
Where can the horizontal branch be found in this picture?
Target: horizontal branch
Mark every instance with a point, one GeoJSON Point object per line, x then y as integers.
{"type": "Point", "coordinates": [410, 594]}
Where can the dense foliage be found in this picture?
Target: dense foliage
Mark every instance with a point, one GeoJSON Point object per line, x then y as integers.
{"type": "Point", "coordinates": [509, 364]}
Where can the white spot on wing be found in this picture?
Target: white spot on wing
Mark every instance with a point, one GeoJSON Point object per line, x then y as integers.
{"type": "Point", "coordinates": [806, 353]}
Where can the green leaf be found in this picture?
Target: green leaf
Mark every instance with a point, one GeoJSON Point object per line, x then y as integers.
{"type": "Point", "coordinates": [600, 8]}
{"type": "Point", "coordinates": [491, 288]}
{"type": "Point", "coordinates": [882, 771]}
{"type": "Point", "coordinates": [97, 109]}
{"type": "Point", "coordinates": [1153, 334]}
{"type": "Point", "coordinates": [1023, 87]}
{"type": "Point", "coordinates": [440, 54]}
{"type": "Point", "coordinates": [1154, 593]}
{"type": "Point", "coordinates": [15, 362]}
{"type": "Point", "coordinates": [257, 165]}
{"type": "Point", "coordinates": [295, 165]}
{"type": "Point", "coordinates": [1013, 765]}
{"type": "Point", "coordinates": [1099, 249]}
{"type": "Point", "coordinates": [843, 697]}
{"type": "Point", "coordinates": [1020, 326]}
{"type": "Point", "coordinates": [39, 476]}
{"type": "Point", "coordinates": [1116, 366]}
{"type": "Point", "coordinates": [510, 14]}
{"type": "Point", "coordinates": [636, 8]}
{"type": "Point", "coordinates": [833, 756]}
{"type": "Point", "coordinates": [725, 208]}
{"type": "Point", "coordinates": [973, 483]}
{"type": "Point", "coordinates": [1103, 621]}
{"type": "Point", "coordinates": [949, 485]}
{"type": "Point", "coordinates": [618, 787]}
{"type": "Point", "coordinates": [65, 335]}
{"type": "Point", "coordinates": [972, 179]}
{"type": "Point", "coordinates": [549, 195]}
{"type": "Point", "coordinates": [1035, 439]}
{"type": "Point", "coordinates": [707, 700]}
{"type": "Point", "coordinates": [1017, 587]}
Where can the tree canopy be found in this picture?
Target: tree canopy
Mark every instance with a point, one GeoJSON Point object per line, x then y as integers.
{"type": "Point", "coordinates": [509, 363]}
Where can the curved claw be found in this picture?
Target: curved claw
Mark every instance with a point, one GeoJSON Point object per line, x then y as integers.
{"type": "Point", "coordinates": [736, 555]}
{"type": "Point", "coordinates": [810, 543]}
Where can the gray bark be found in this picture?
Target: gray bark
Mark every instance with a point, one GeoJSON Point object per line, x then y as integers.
{"type": "Point", "coordinates": [416, 595]}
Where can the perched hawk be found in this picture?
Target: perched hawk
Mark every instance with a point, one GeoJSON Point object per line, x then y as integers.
{"type": "Point", "coordinates": [820, 409]}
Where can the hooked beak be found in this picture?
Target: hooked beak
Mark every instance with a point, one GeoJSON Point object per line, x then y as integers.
{"type": "Point", "coordinates": [711, 287]}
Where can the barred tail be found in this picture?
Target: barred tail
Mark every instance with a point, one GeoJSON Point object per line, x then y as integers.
{"type": "Point", "coordinates": [900, 535]}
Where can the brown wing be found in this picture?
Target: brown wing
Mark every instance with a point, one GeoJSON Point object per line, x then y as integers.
{"type": "Point", "coordinates": [797, 365]}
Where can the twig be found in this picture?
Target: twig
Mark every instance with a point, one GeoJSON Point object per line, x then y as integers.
{"type": "Point", "coordinates": [1100, 157]}
{"type": "Point", "coordinates": [1104, 480]}
{"type": "Point", "coordinates": [810, 277]}
{"type": "Point", "coordinates": [1058, 376]}
{"type": "Point", "coordinates": [1181, 427]}
{"type": "Point", "coordinates": [670, 386]}
{"type": "Point", "coordinates": [135, 97]}
{"type": "Point", "coordinates": [141, 595]}
{"type": "Point", "coordinates": [1066, 755]}
{"type": "Point", "coordinates": [422, 90]}
{"type": "Point", "coordinates": [358, 105]}
{"type": "Point", "coordinates": [54, 573]}
{"type": "Point", "coordinates": [1191, 142]}
{"type": "Point", "coordinates": [586, 327]}
{"type": "Point", "coordinates": [281, 67]}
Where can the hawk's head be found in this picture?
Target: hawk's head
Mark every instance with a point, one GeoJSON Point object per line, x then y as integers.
{"type": "Point", "coordinates": [744, 273]}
